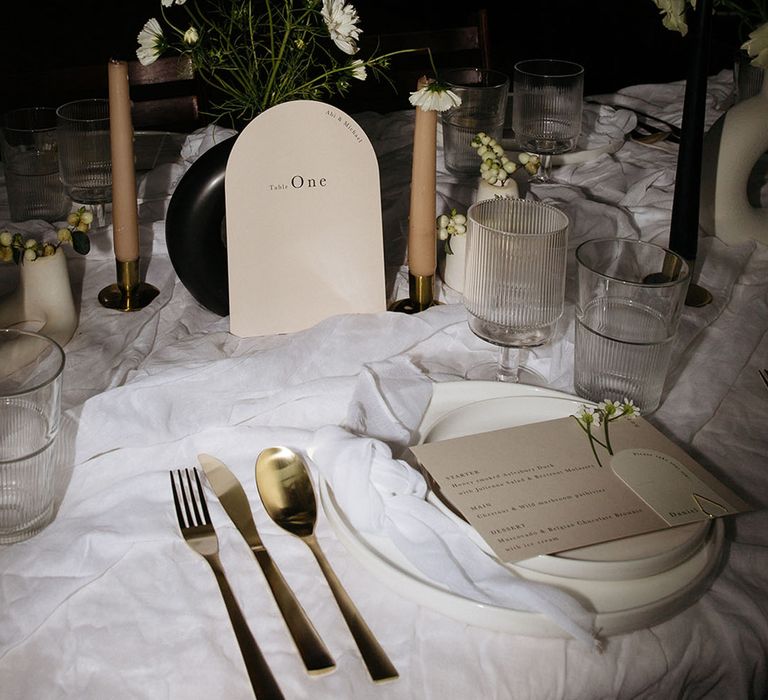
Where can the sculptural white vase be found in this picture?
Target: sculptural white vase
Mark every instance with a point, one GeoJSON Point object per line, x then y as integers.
{"type": "Point", "coordinates": [43, 299]}
{"type": "Point", "coordinates": [452, 266]}
{"type": "Point", "coordinates": [731, 149]}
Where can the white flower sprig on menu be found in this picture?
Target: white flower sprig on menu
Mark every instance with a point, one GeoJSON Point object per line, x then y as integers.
{"type": "Point", "coordinates": [14, 247]}
{"type": "Point", "coordinates": [607, 411]}
{"type": "Point", "coordinates": [450, 225]}
{"type": "Point", "coordinates": [254, 55]}
{"type": "Point", "coordinates": [495, 166]}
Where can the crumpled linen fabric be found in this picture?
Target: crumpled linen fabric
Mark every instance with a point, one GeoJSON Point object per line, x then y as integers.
{"type": "Point", "coordinates": [108, 601]}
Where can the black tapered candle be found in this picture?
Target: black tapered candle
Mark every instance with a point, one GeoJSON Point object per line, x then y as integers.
{"type": "Point", "coordinates": [684, 229]}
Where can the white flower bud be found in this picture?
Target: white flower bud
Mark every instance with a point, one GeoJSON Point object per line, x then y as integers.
{"type": "Point", "coordinates": [30, 255]}
{"type": "Point", "coordinates": [191, 37]}
{"type": "Point", "coordinates": [6, 238]}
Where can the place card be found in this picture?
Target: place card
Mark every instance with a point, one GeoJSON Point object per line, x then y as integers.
{"type": "Point", "coordinates": [303, 220]}
{"type": "Point", "coordinates": [541, 488]}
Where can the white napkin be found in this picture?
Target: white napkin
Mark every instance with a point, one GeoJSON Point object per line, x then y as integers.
{"type": "Point", "coordinates": [383, 495]}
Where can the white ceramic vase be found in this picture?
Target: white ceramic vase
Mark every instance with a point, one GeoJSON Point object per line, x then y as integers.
{"type": "Point", "coordinates": [731, 149]}
{"type": "Point", "coordinates": [452, 266]}
{"type": "Point", "coordinates": [43, 299]}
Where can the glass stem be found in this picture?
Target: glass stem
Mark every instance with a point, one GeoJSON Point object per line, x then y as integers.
{"type": "Point", "coordinates": [546, 168]}
{"type": "Point", "coordinates": [509, 361]}
{"type": "Point", "coordinates": [99, 215]}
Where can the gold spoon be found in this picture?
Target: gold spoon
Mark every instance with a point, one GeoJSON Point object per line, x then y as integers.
{"type": "Point", "coordinates": [289, 498]}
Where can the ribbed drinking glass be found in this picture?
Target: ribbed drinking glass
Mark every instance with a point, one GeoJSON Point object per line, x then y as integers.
{"type": "Point", "coordinates": [515, 272]}
{"type": "Point", "coordinates": [30, 398]}
{"type": "Point", "coordinates": [631, 294]}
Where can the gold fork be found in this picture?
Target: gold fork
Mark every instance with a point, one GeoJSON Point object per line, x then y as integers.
{"type": "Point", "coordinates": [197, 530]}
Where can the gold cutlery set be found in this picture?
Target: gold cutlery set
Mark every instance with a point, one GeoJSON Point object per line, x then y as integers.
{"type": "Point", "coordinates": [286, 491]}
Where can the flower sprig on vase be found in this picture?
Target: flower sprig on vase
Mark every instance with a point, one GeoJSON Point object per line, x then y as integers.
{"type": "Point", "coordinates": [495, 166]}
{"type": "Point", "coordinates": [16, 248]}
{"type": "Point", "coordinates": [450, 225]}
{"type": "Point", "coordinates": [607, 411]}
{"type": "Point", "coordinates": [255, 55]}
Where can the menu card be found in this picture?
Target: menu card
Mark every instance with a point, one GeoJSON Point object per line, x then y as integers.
{"type": "Point", "coordinates": [542, 488]}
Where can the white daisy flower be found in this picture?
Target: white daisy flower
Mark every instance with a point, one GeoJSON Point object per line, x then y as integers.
{"type": "Point", "coordinates": [151, 42]}
{"type": "Point", "coordinates": [341, 20]}
{"type": "Point", "coordinates": [434, 97]}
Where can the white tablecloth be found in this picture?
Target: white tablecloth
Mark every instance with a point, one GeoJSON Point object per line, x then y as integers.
{"type": "Point", "coordinates": [109, 602]}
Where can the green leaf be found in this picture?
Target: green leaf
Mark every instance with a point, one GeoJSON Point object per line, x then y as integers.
{"type": "Point", "coordinates": [17, 255]}
{"type": "Point", "coordinates": [80, 242]}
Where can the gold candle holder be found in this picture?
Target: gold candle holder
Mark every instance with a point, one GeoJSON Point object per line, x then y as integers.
{"type": "Point", "coordinates": [129, 293]}
{"type": "Point", "coordinates": [420, 295]}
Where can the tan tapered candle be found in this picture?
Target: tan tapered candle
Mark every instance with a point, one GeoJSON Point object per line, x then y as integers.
{"type": "Point", "coordinates": [125, 222]}
{"type": "Point", "coordinates": [422, 245]}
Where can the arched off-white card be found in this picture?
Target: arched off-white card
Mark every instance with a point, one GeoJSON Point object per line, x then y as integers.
{"type": "Point", "coordinates": [303, 212]}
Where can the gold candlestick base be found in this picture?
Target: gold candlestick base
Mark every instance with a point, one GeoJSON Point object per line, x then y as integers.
{"type": "Point", "coordinates": [129, 293]}
{"type": "Point", "coordinates": [420, 295]}
{"type": "Point", "coordinates": [697, 296]}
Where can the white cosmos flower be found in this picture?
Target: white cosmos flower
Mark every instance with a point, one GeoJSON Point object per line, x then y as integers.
{"type": "Point", "coordinates": [757, 46]}
{"type": "Point", "coordinates": [434, 97]}
{"type": "Point", "coordinates": [341, 20]}
{"type": "Point", "coordinates": [151, 42]}
{"type": "Point", "coordinates": [358, 69]}
{"type": "Point", "coordinates": [674, 14]}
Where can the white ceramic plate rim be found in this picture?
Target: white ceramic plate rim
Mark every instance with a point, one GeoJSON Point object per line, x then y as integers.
{"type": "Point", "coordinates": [599, 561]}
{"type": "Point", "coordinates": [664, 594]}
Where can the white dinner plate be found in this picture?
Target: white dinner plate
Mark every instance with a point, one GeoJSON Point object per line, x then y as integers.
{"type": "Point", "coordinates": [627, 558]}
{"type": "Point", "coordinates": [621, 605]}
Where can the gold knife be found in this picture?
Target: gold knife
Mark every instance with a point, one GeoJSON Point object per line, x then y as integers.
{"type": "Point", "coordinates": [313, 651]}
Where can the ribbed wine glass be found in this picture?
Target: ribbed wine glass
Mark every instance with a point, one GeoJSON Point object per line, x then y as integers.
{"type": "Point", "coordinates": [546, 108]}
{"type": "Point", "coordinates": [514, 284]}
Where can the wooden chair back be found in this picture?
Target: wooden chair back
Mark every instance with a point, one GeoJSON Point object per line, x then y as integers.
{"type": "Point", "coordinates": [452, 47]}
{"type": "Point", "coordinates": [164, 95]}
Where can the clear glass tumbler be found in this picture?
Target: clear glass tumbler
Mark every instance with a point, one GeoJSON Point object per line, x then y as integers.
{"type": "Point", "coordinates": [31, 366]}
{"type": "Point", "coordinates": [31, 159]}
{"type": "Point", "coordinates": [85, 158]}
{"type": "Point", "coordinates": [631, 294]}
{"type": "Point", "coordinates": [484, 95]}
{"type": "Point", "coordinates": [514, 283]}
{"type": "Point", "coordinates": [547, 108]}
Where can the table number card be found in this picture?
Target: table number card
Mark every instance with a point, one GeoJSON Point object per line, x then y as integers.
{"type": "Point", "coordinates": [539, 488]}
{"type": "Point", "coordinates": [303, 219]}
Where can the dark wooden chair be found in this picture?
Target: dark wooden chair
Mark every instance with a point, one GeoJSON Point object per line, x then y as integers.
{"type": "Point", "coordinates": [466, 45]}
{"type": "Point", "coordinates": [164, 95]}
